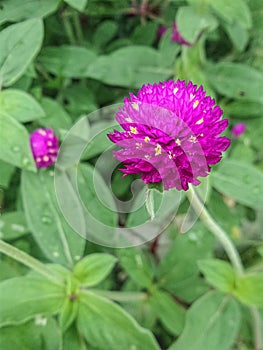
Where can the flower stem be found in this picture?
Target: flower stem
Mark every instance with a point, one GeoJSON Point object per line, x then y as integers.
{"type": "Point", "coordinates": [120, 296]}
{"type": "Point", "coordinates": [218, 232]}
{"type": "Point", "coordinates": [27, 260]}
{"type": "Point", "coordinates": [257, 328]}
{"type": "Point", "coordinates": [231, 251]}
{"type": "Point", "coordinates": [68, 28]}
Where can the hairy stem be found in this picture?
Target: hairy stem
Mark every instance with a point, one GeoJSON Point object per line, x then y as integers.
{"type": "Point", "coordinates": [217, 231]}
{"type": "Point", "coordinates": [27, 260]}
{"type": "Point", "coordinates": [231, 251]}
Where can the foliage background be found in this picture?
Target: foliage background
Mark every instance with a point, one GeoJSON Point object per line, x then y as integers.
{"type": "Point", "coordinates": [60, 60]}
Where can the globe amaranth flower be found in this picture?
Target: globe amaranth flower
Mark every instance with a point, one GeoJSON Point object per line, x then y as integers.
{"type": "Point", "coordinates": [238, 129]}
{"type": "Point", "coordinates": [44, 145]}
{"type": "Point", "coordinates": [171, 134]}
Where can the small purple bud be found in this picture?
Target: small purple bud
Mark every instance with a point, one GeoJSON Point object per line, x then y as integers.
{"type": "Point", "coordinates": [238, 129]}
{"type": "Point", "coordinates": [44, 145]}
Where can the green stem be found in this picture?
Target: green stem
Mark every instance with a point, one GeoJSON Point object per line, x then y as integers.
{"type": "Point", "coordinates": [68, 28]}
{"type": "Point", "coordinates": [78, 29]}
{"type": "Point", "coordinates": [27, 260]}
{"type": "Point", "coordinates": [121, 296]}
{"type": "Point", "coordinates": [231, 251]}
{"type": "Point", "coordinates": [218, 232]}
{"type": "Point", "coordinates": [257, 328]}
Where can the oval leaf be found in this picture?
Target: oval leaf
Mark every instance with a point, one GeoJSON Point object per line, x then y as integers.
{"type": "Point", "coordinates": [241, 181]}
{"type": "Point", "coordinates": [219, 273]}
{"type": "Point", "coordinates": [51, 231]}
{"type": "Point", "coordinates": [212, 322]}
{"type": "Point", "coordinates": [94, 268]}
{"type": "Point", "coordinates": [22, 298]}
{"type": "Point", "coordinates": [19, 44]}
{"type": "Point", "coordinates": [106, 325]}
{"type": "Point", "coordinates": [20, 105]}
{"type": "Point", "coordinates": [15, 148]}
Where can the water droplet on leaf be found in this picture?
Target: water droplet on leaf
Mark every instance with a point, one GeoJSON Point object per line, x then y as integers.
{"type": "Point", "coordinates": [46, 220]}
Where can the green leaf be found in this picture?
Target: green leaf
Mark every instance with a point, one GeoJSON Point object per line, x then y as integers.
{"type": "Point", "coordinates": [138, 265]}
{"type": "Point", "coordinates": [231, 11]}
{"type": "Point", "coordinates": [218, 273]}
{"type": "Point", "coordinates": [129, 67]}
{"type": "Point", "coordinates": [241, 181]}
{"type": "Point", "coordinates": [102, 207]}
{"type": "Point", "coordinates": [236, 80]}
{"type": "Point", "coordinates": [178, 270]}
{"type": "Point", "coordinates": [20, 105]}
{"type": "Point", "coordinates": [56, 116]}
{"type": "Point", "coordinates": [106, 325]}
{"type": "Point", "coordinates": [212, 322]}
{"type": "Point", "coordinates": [168, 49]}
{"type": "Point", "coordinates": [144, 34]}
{"type": "Point", "coordinates": [104, 33]}
{"type": "Point", "coordinates": [22, 298]}
{"type": "Point", "coordinates": [42, 333]}
{"type": "Point", "coordinates": [170, 313]}
{"type": "Point", "coordinates": [67, 61]}
{"type": "Point", "coordinates": [238, 35]}
{"type": "Point", "coordinates": [94, 268]}
{"type": "Point", "coordinates": [249, 289]}
{"type": "Point", "coordinates": [7, 171]}
{"type": "Point", "coordinates": [243, 109]}
{"type": "Point", "coordinates": [19, 44]}
{"type": "Point", "coordinates": [15, 10]}
{"type": "Point", "coordinates": [77, 4]}
{"type": "Point", "coordinates": [13, 225]}
{"type": "Point", "coordinates": [195, 24]}
{"type": "Point", "coordinates": [51, 231]}
{"type": "Point", "coordinates": [15, 148]}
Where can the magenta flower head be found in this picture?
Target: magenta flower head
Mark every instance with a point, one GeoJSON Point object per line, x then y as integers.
{"type": "Point", "coordinates": [238, 129]}
{"type": "Point", "coordinates": [176, 36]}
{"type": "Point", "coordinates": [44, 145]}
{"type": "Point", "coordinates": [171, 134]}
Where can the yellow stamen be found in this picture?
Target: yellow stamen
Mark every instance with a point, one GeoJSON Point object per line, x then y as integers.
{"type": "Point", "coordinates": [38, 159]}
{"type": "Point", "coordinates": [200, 121]}
{"type": "Point", "coordinates": [147, 156]}
{"type": "Point", "coordinates": [138, 145]}
{"type": "Point", "coordinates": [158, 150]}
{"type": "Point", "coordinates": [175, 90]}
{"type": "Point", "coordinates": [135, 106]}
{"type": "Point", "coordinates": [46, 158]}
{"type": "Point", "coordinates": [49, 143]}
{"type": "Point", "coordinates": [146, 139]}
{"type": "Point", "coordinates": [42, 132]}
{"type": "Point", "coordinates": [133, 130]}
{"type": "Point", "coordinates": [178, 142]}
{"type": "Point", "coordinates": [196, 103]}
{"type": "Point", "coordinates": [192, 138]}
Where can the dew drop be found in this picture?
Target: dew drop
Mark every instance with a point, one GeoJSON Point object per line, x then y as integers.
{"type": "Point", "coordinates": [25, 162]}
{"type": "Point", "coordinates": [15, 149]}
{"type": "Point", "coordinates": [256, 190]}
{"type": "Point", "coordinates": [18, 228]}
{"type": "Point", "coordinates": [46, 220]}
{"type": "Point", "coordinates": [247, 179]}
